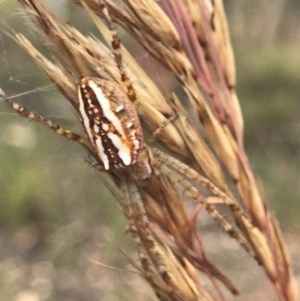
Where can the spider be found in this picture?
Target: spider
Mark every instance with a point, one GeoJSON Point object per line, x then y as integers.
{"type": "Point", "coordinates": [115, 141]}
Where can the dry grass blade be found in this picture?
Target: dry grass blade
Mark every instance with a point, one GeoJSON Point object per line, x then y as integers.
{"type": "Point", "coordinates": [191, 40]}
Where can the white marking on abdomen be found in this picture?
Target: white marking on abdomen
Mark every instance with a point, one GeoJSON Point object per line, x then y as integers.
{"type": "Point", "coordinates": [123, 150]}
{"type": "Point", "coordinates": [101, 153]}
{"type": "Point", "coordinates": [106, 109]}
{"type": "Point", "coordinates": [98, 141]}
{"type": "Point", "coordinates": [105, 127]}
{"type": "Point", "coordinates": [119, 108]}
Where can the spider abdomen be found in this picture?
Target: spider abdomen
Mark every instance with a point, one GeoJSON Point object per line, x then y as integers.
{"type": "Point", "coordinates": [110, 121]}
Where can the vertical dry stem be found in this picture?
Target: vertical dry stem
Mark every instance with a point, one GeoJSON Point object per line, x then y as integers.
{"type": "Point", "coordinates": [191, 40]}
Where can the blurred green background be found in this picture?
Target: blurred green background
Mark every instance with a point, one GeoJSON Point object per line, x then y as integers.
{"type": "Point", "coordinates": [57, 219]}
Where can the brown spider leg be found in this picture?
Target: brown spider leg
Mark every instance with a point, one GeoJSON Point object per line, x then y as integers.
{"type": "Point", "coordinates": [195, 177]}
{"type": "Point", "coordinates": [146, 235]}
{"type": "Point", "coordinates": [169, 165]}
{"type": "Point", "coordinates": [156, 255]}
{"type": "Point", "coordinates": [49, 123]}
{"type": "Point", "coordinates": [153, 268]}
{"type": "Point", "coordinates": [161, 127]}
{"type": "Point", "coordinates": [117, 51]}
{"type": "Point", "coordinates": [193, 193]}
{"type": "Point", "coordinates": [129, 213]}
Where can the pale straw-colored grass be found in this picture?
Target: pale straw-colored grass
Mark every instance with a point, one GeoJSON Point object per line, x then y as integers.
{"type": "Point", "coordinates": [190, 39]}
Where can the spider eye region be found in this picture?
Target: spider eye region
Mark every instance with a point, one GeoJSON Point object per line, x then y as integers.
{"type": "Point", "coordinates": [110, 122]}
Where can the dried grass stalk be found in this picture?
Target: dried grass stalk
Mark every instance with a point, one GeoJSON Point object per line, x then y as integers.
{"type": "Point", "coordinates": [191, 40]}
